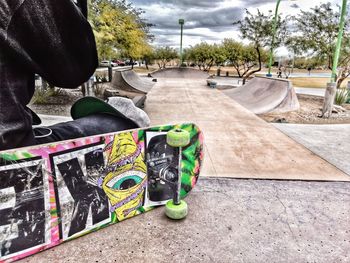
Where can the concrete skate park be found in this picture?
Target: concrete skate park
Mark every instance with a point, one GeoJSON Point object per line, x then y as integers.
{"type": "Point", "coordinates": [264, 194]}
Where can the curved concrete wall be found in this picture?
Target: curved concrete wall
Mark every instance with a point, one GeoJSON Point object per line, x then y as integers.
{"type": "Point", "coordinates": [128, 80]}
{"type": "Point", "coordinates": [262, 95]}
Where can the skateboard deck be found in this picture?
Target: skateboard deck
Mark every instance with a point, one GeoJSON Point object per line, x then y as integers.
{"type": "Point", "coordinates": [56, 192]}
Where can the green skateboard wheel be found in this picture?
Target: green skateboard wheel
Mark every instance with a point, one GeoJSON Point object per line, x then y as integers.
{"type": "Point", "coordinates": [176, 211]}
{"type": "Point", "coordinates": [178, 138]}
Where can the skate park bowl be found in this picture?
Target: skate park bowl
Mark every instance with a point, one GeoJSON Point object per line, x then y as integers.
{"type": "Point", "coordinates": [186, 73]}
{"type": "Point", "coordinates": [129, 81]}
{"type": "Point", "coordinates": [128, 84]}
{"type": "Point", "coordinates": [265, 95]}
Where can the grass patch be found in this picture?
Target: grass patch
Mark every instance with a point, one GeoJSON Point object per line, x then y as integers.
{"type": "Point", "coordinates": [41, 96]}
{"type": "Point", "coordinates": [310, 82]}
{"type": "Point", "coordinates": [313, 82]}
{"type": "Point", "coordinates": [342, 96]}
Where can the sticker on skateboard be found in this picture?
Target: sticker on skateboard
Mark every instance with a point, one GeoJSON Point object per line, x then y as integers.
{"type": "Point", "coordinates": [57, 192]}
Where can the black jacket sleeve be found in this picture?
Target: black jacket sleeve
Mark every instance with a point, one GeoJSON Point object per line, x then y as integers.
{"type": "Point", "coordinates": [53, 39]}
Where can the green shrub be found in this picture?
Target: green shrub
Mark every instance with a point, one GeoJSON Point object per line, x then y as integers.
{"type": "Point", "coordinates": [41, 95]}
{"type": "Point", "coordinates": [101, 76]}
{"type": "Point", "coordinates": [99, 89]}
{"type": "Point", "coordinates": [342, 96]}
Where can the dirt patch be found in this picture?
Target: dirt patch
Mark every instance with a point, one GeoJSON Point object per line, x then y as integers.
{"type": "Point", "coordinates": [59, 104]}
{"type": "Point", "coordinates": [309, 112]}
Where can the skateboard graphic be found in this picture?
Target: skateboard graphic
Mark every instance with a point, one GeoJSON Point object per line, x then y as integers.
{"type": "Point", "coordinates": [57, 192]}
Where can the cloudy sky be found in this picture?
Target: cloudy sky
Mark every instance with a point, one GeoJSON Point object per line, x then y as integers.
{"type": "Point", "coordinates": [208, 20]}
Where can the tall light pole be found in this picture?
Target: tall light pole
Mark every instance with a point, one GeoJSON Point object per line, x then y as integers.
{"type": "Point", "coordinates": [339, 41]}
{"type": "Point", "coordinates": [273, 37]}
{"type": "Point", "coordinates": [274, 29]}
{"type": "Point", "coordinates": [181, 22]}
{"type": "Point", "coordinates": [331, 89]}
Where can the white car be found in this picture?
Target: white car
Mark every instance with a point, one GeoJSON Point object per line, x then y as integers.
{"type": "Point", "coordinates": [106, 63]}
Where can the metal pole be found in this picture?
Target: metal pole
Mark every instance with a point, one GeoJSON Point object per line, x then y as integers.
{"type": "Point", "coordinates": [177, 195]}
{"type": "Point", "coordinates": [181, 22]}
{"type": "Point", "coordinates": [339, 41]}
{"type": "Point", "coordinates": [273, 37]}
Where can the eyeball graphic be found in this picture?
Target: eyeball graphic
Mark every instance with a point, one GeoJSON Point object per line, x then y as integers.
{"type": "Point", "coordinates": [125, 181]}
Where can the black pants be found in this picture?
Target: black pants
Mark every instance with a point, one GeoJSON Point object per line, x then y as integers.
{"type": "Point", "coordinates": [88, 126]}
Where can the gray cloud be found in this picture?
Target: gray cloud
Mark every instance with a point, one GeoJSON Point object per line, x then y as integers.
{"type": "Point", "coordinates": [212, 15]}
{"type": "Point", "coordinates": [252, 3]}
{"type": "Point", "coordinates": [199, 18]}
{"type": "Point", "coordinates": [214, 20]}
{"type": "Point", "coordinates": [294, 5]}
{"type": "Point", "coordinates": [181, 4]}
{"type": "Point", "coordinates": [197, 15]}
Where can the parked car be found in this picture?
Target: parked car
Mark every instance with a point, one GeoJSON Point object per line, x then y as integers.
{"type": "Point", "coordinates": [106, 63]}
{"type": "Point", "coordinates": [120, 63]}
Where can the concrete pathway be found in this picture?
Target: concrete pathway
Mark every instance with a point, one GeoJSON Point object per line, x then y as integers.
{"type": "Point", "coordinates": [331, 142]}
{"type": "Point", "coordinates": [303, 74]}
{"type": "Point", "coordinates": [237, 143]}
{"type": "Point", "coordinates": [229, 221]}
{"type": "Point", "coordinates": [310, 91]}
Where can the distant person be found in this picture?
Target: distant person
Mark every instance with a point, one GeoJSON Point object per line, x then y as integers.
{"type": "Point", "coordinates": [53, 39]}
{"type": "Point", "coordinates": [279, 73]}
{"type": "Point", "coordinates": [309, 70]}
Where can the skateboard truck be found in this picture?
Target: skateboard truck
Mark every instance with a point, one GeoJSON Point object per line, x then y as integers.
{"type": "Point", "coordinates": [177, 208]}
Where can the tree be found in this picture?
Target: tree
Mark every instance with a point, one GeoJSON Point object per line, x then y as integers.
{"type": "Point", "coordinates": [243, 58]}
{"type": "Point", "coordinates": [303, 62]}
{"type": "Point", "coordinates": [163, 55]}
{"type": "Point", "coordinates": [118, 29]}
{"type": "Point", "coordinates": [316, 32]}
{"type": "Point", "coordinates": [258, 29]}
{"type": "Point", "coordinates": [205, 55]}
{"type": "Point", "coordinates": [149, 56]}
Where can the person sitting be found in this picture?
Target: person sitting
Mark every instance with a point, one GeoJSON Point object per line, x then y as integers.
{"type": "Point", "coordinates": [54, 40]}
{"type": "Point", "coordinates": [93, 116]}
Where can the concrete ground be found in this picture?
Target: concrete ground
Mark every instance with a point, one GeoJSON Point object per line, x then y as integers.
{"type": "Point", "coordinates": [229, 221]}
{"type": "Point", "coordinates": [331, 142]}
{"type": "Point", "coordinates": [238, 144]}
{"type": "Point", "coordinates": [310, 91]}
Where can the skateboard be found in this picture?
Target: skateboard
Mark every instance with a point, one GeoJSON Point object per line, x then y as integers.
{"type": "Point", "coordinates": [53, 193]}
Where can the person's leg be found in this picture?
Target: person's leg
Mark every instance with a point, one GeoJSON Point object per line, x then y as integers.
{"type": "Point", "coordinates": [88, 126]}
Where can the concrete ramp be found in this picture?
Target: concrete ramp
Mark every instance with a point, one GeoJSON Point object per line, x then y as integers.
{"type": "Point", "coordinates": [129, 81]}
{"type": "Point", "coordinates": [262, 95]}
{"type": "Point", "coordinates": [187, 73]}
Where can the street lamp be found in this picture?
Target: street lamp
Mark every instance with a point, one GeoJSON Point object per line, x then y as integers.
{"type": "Point", "coordinates": [181, 22]}
{"type": "Point", "coordinates": [339, 41]}
{"type": "Point", "coordinates": [332, 86]}
{"type": "Point", "coordinates": [273, 37]}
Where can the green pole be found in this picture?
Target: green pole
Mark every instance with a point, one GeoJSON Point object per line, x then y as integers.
{"type": "Point", "coordinates": [181, 22]}
{"type": "Point", "coordinates": [339, 41]}
{"type": "Point", "coordinates": [273, 37]}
